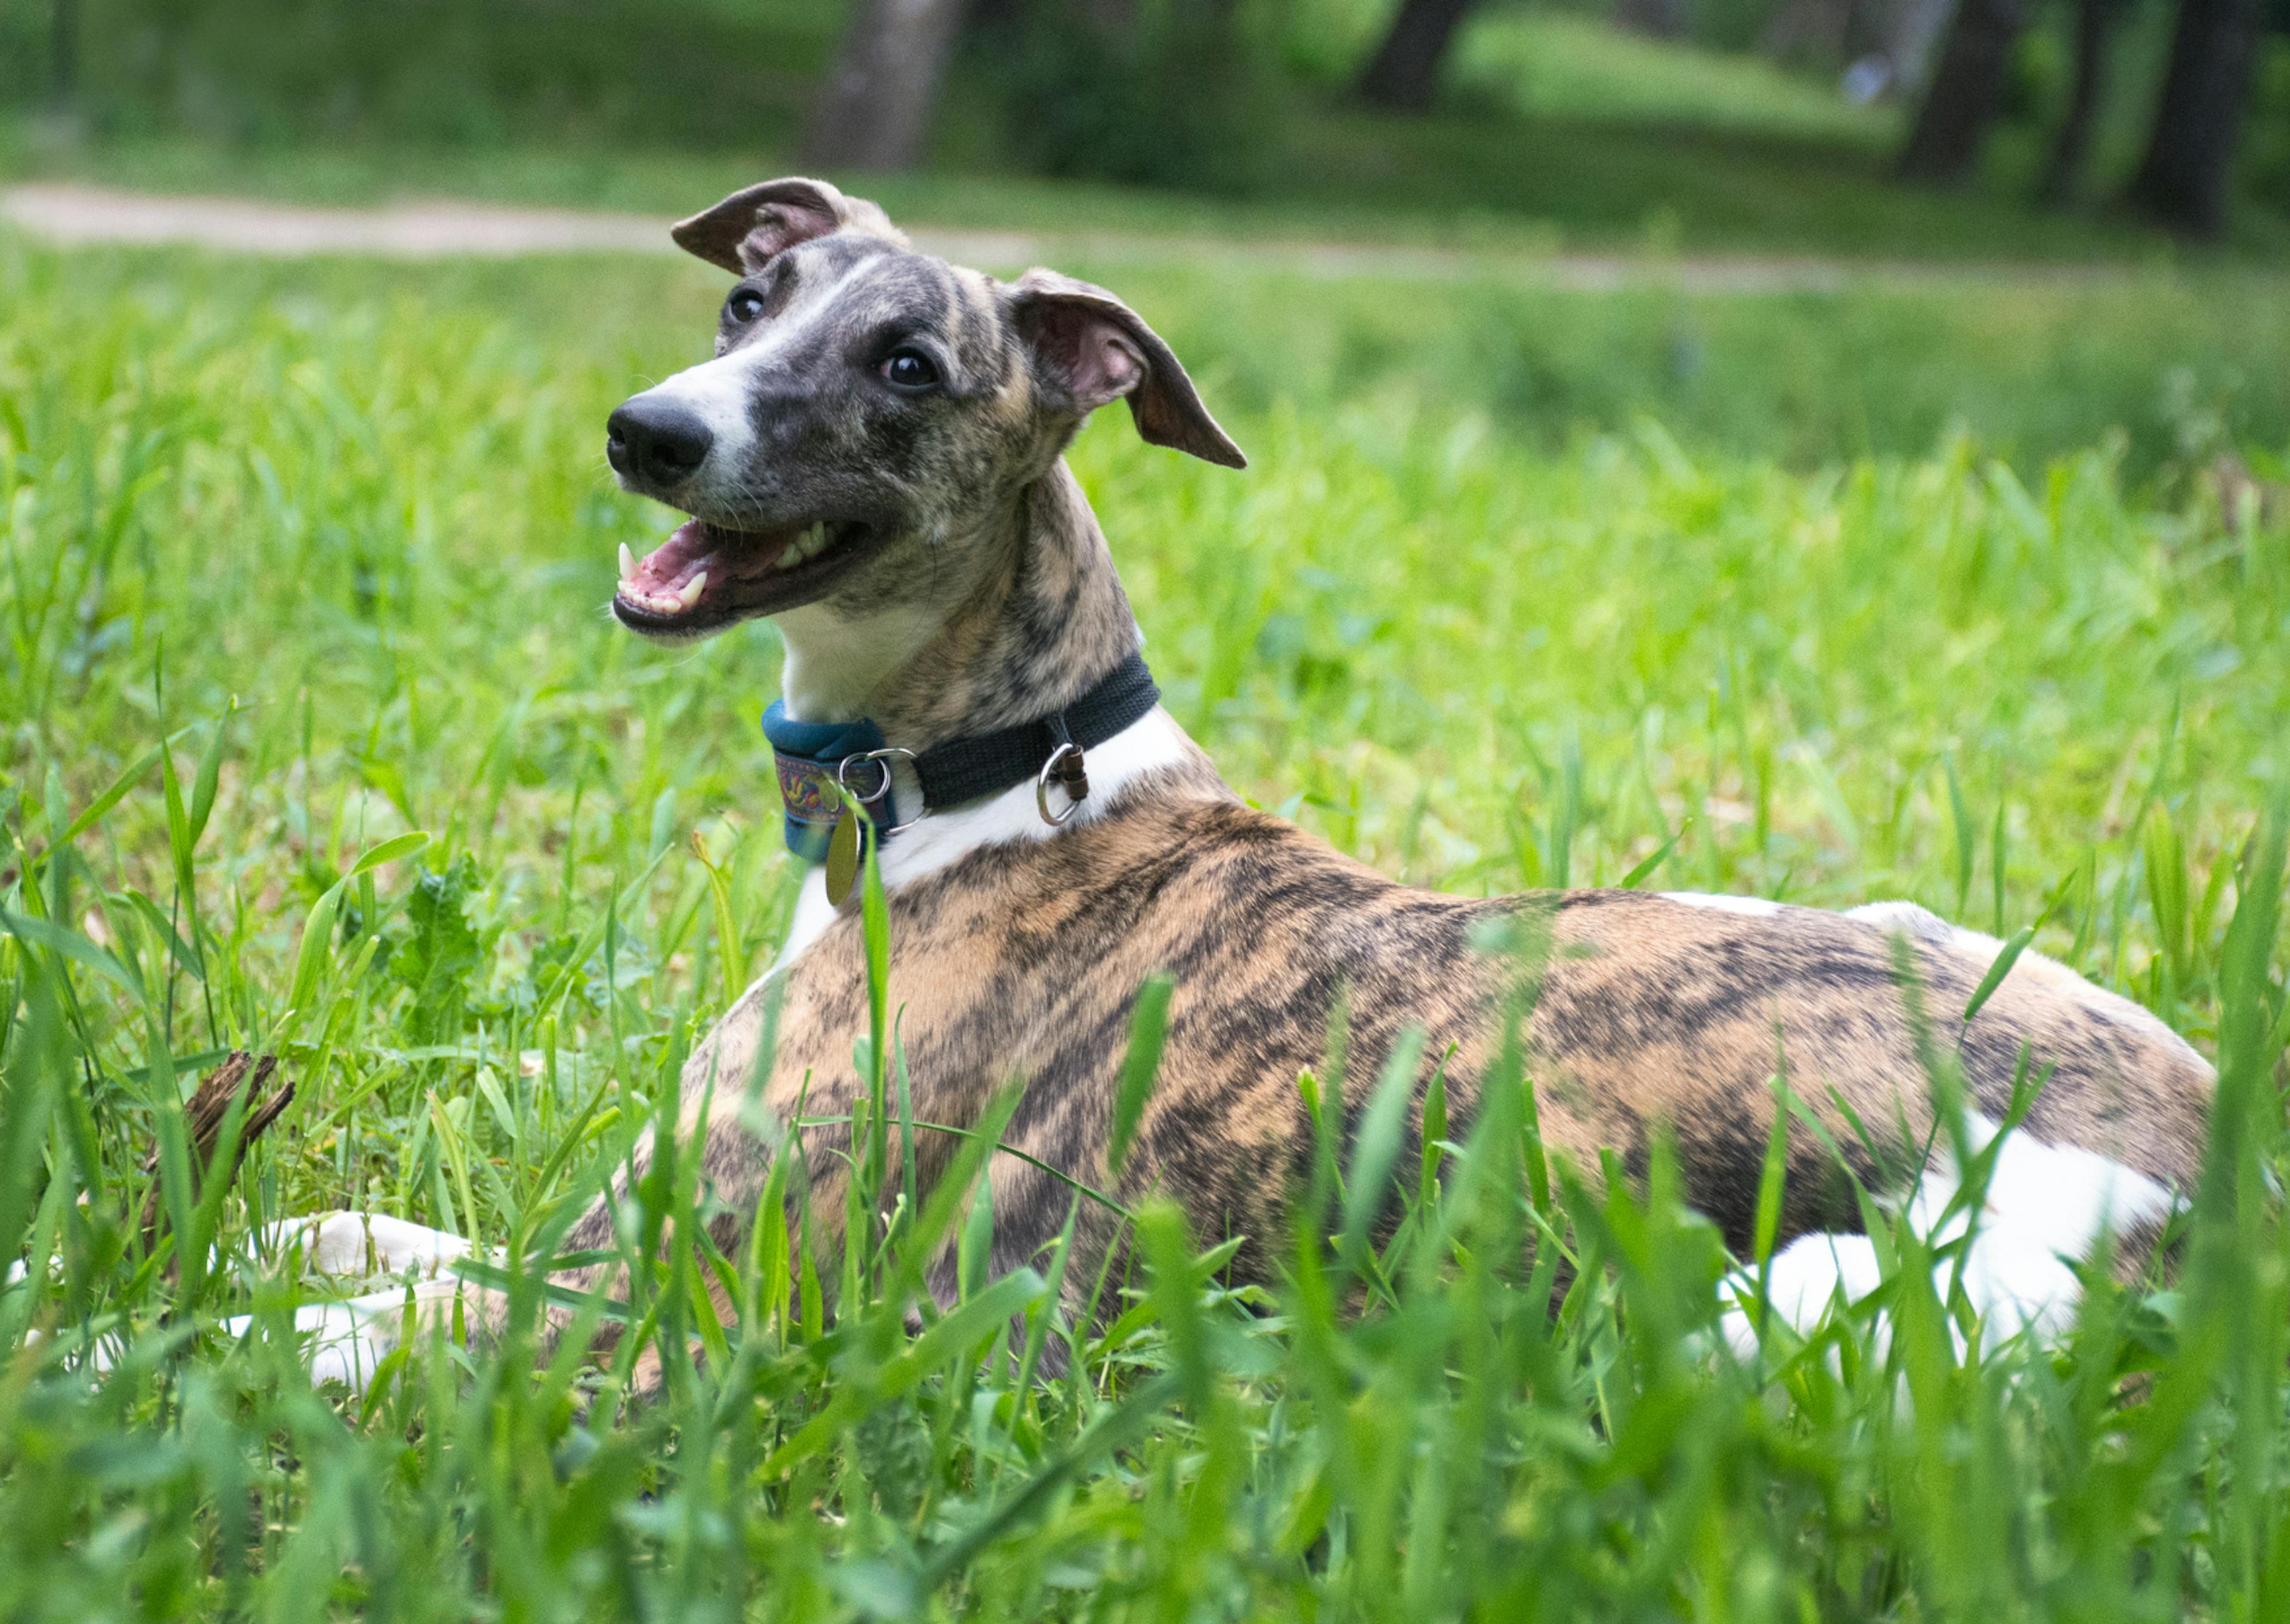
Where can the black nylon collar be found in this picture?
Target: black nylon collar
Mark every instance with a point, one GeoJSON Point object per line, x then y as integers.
{"type": "Point", "coordinates": [813, 758]}
{"type": "Point", "coordinates": [965, 768]}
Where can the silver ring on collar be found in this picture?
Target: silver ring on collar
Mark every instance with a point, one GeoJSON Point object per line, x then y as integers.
{"type": "Point", "coordinates": [882, 760]}
{"type": "Point", "coordinates": [1042, 784]}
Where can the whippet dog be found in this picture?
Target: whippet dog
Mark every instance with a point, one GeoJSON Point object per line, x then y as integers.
{"type": "Point", "coordinates": [872, 458]}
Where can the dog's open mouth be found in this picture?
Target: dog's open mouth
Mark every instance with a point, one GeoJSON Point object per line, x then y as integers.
{"type": "Point", "coordinates": [705, 576]}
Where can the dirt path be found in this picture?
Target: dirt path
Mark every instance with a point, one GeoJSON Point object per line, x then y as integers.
{"type": "Point", "coordinates": [70, 213]}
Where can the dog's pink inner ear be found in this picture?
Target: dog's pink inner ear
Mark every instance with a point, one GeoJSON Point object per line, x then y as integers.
{"type": "Point", "coordinates": [1091, 348]}
{"type": "Point", "coordinates": [1097, 362]}
{"type": "Point", "coordinates": [780, 227]}
{"type": "Point", "coordinates": [743, 233]}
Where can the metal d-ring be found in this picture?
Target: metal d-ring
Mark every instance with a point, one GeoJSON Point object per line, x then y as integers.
{"type": "Point", "coordinates": [882, 790]}
{"type": "Point", "coordinates": [1051, 770]}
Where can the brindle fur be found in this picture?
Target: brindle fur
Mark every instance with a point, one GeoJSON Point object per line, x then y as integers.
{"type": "Point", "coordinates": [1024, 960]}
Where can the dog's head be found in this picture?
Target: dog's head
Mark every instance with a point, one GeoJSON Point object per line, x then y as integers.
{"type": "Point", "coordinates": [872, 416]}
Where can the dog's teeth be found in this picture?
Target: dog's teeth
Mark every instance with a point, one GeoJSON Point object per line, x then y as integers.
{"type": "Point", "coordinates": [627, 563]}
{"type": "Point", "coordinates": [689, 592]}
{"type": "Point", "coordinates": [807, 545]}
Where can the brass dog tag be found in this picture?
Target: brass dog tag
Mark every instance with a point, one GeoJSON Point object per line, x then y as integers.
{"type": "Point", "coordinates": [842, 857]}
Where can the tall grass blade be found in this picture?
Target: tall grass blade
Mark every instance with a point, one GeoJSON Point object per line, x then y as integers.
{"type": "Point", "coordinates": [1148, 1025]}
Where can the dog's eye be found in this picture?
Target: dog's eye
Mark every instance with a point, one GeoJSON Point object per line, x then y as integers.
{"type": "Point", "coordinates": [744, 306]}
{"type": "Point", "coordinates": [909, 368]}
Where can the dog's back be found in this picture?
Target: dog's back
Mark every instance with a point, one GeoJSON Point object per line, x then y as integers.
{"type": "Point", "coordinates": [1649, 1014]}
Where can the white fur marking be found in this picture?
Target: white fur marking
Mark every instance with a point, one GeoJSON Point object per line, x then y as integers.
{"type": "Point", "coordinates": [721, 392]}
{"type": "Point", "coordinates": [1756, 908]}
{"type": "Point", "coordinates": [1907, 919]}
{"type": "Point", "coordinates": [833, 664]}
{"type": "Point", "coordinates": [2046, 1207]}
{"type": "Point", "coordinates": [718, 392]}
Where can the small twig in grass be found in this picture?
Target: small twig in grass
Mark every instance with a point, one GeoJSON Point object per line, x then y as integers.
{"type": "Point", "coordinates": [240, 1073]}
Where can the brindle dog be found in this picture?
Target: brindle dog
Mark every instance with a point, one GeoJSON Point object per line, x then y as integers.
{"type": "Point", "coordinates": [874, 460]}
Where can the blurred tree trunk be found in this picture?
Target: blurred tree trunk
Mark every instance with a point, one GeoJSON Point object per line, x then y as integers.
{"type": "Point", "coordinates": [1893, 38]}
{"type": "Point", "coordinates": [1114, 18]}
{"type": "Point", "coordinates": [1966, 92]}
{"type": "Point", "coordinates": [874, 112]}
{"type": "Point", "coordinates": [1662, 19]}
{"type": "Point", "coordinates": [1916, 29]}
{"type": "Point", "coordinates": [63, 55]}
{"type": "Point", "coordinates": [2062, 176]}
{"type": "Point", "coordinates": [2190, 162]}
{"type": "Point", "coordinates": [1864, 32]}
{"type": "Point", "coordinates": [1404, 70]}
{"type": "Point", "coordinates": [1798, 30]}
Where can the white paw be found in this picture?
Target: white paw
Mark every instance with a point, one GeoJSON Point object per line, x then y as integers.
{"type": "Point", "coordinates": [365, 1245]}
{"type": "Point", "coordinates": [347, 1340]}
{"type": "Point", "coordinates": [1809, 1277]}
{"type": "Point", "coordinates": [2046, 1207]}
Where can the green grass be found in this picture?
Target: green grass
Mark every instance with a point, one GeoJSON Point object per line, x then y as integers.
{"type": "Point", "coordinates": [2169, 369]}
{"type": "Point", "coordinates": [1483, 646]}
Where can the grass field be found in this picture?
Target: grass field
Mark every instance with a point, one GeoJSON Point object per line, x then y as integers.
{"type": "Point", "coordinates": [1976, 595]}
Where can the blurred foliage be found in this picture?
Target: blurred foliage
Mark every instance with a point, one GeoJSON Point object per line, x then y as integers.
{"type": "Point", "coordinates": [1550, 115]}
{"type": "Point", "coordinates": [1560, 65]}
{"type": "Point", "coordinates": [660, 72]}
{"type": "Point", "coordinates": [2267, 165]}
{"type": "Point", "coordinates": [1184, 95]}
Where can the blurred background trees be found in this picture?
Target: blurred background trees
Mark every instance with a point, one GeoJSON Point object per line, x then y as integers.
{"type": "Point", "coordinates": [874, 110]}
{"type": "Point", "coordinates": [1966, 91]}
{"type": "Point", "coordinates": [2176, 111]}
{"type": "Point", "coordinates": [2198, 121]}
{"type": "Point", "coordinates": [1404, 74]}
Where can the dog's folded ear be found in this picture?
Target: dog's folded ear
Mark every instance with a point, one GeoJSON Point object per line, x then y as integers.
{"type": "Point", "coordinates": [1089, 348]}
{"type": "Point", "coordinates": [746, 229]}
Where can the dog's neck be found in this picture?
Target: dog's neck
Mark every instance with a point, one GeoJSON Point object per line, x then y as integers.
{"type": "Point", "coordinates": [1046, 619]}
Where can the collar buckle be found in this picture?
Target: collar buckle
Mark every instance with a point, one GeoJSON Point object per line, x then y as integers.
{"type": "Point", "coordinates": [1065, 768]}
{"type": "Point", "coordinates": [882, 789]}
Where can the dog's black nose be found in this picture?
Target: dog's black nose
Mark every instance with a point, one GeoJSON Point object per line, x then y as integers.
{"type": "Point", "coordinates": [655, 441]}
